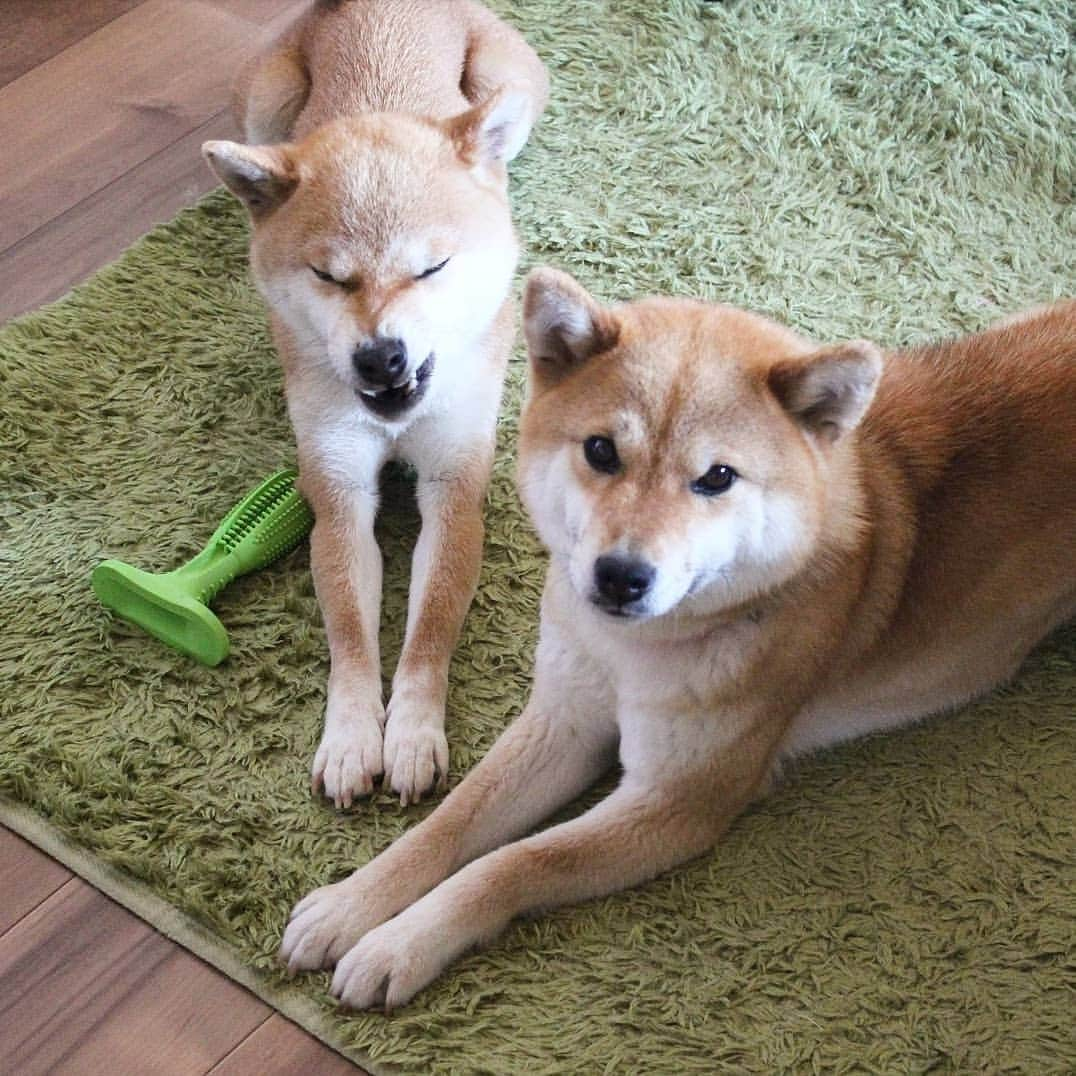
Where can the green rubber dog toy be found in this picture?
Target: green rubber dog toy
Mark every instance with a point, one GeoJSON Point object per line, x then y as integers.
{"type": "Point", "coordinates": [174, 607]}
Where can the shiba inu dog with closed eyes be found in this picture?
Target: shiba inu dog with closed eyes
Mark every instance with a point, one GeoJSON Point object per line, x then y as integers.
{"type": "Point", "coordinates": [383, 246]}
{"type": "Point", "coordinates": [758, 545]}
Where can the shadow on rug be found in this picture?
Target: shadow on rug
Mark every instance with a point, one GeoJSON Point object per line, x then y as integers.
{"type": "Point", "coordinates": [903, 904]}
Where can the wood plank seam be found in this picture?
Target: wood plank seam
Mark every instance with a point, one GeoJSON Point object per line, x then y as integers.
{"type": "Point", "coordinates": [56, 894]}
{"type": "Point", "coordinates": [28, 239]}
{"type": "Point", "coordinates": [246, 1038]}
{"type": "Point", "coordinates": [71, 44]}
{"type": "Point", "coordinates": [178, 60]}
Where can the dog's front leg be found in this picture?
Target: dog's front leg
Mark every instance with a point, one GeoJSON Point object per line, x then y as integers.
{"type": "Point", "coordinates": [346, 565]}
{"type": "Point", "coordinates": [561, 743]}
{"type": "Point", "coordinates": [444, 573]}
{"type": "Point", "coordinates": [669, 808]}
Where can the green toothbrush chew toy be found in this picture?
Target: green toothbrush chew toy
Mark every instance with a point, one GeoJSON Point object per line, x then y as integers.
{"type": "Point", "coordinates": [267, 523]}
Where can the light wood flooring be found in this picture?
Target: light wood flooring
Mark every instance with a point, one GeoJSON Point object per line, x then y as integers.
{"type": "Point", "coordinates": [103, 105]}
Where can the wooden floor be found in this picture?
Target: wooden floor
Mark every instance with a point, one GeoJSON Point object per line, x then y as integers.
{"type": "Point", "coordinates": [103, 105]}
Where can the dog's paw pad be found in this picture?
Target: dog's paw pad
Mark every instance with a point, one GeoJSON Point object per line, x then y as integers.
{"type": "Point", "coordinates": [322, 927]}
{"type": "Point", "coordinates": [382, 972]}
{"type": "Point", "coordinates": [415, 759]}
{"type": "Point", "coordinates": [348, 762]}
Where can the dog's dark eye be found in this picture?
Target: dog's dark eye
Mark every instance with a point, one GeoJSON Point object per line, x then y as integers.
{"type": "Point", "coordinates": [327, 277]}
{"type": "Point", "coordinates": [716, 480]}
{"type": "Point", "coordinates": [433, 269]}
{"type": "Point", "coordinates": [601, 454]}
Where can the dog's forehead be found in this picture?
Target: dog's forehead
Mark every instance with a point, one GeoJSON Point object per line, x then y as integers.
{"type": "Point", "coordinates": [688, 377]}
{"type": "Point", "coordinates": [374, 178]}
{"type": "Point", "coordinates": [682, 359]}
{"type": "Point", "coordinates": [704, 341]}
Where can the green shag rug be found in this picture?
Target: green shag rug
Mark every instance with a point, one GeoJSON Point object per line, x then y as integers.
{"type": "Point", "coordinates": [889, 169]}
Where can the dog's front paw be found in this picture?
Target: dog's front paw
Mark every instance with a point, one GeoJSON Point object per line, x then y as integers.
{"type": "Point", "coordinates": [393, 963]}
{"type": "Point", "coordinates": [416, 751]}
{"type": "Point", "coordinates": [349, 757]}
{"type": "Point", "coordinates": [328, 922]}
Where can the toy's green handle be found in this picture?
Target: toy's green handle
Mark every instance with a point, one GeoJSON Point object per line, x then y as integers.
{"type": "Point", "coordinates": [205, 576]}
{"type": "Point", "coordinates": [266, 524]}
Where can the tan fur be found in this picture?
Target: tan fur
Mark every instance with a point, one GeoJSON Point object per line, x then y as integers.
{"type": "Point", "coordinates": [915, 538]}
{"type": "Point", "coordinates": [390, 124]}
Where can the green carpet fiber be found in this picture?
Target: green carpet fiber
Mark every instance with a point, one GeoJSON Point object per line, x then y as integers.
{"type": "Point", "coordinates": [906, 904]}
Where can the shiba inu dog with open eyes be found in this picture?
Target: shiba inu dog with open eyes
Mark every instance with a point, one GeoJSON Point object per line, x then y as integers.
{"type": "Point", "coordinates": [383, 246]}
{"type": "Point", "coordinates": [758, 546]}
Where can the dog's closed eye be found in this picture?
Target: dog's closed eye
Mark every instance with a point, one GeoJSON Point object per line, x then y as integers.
{"type": "Point", "coordinates": [327, 277]}
{"type": "Point", "coordinates": [433, 269]}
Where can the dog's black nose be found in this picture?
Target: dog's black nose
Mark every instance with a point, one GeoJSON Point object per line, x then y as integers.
{"type": "Point", "coordinates": [622, 579]}
{"type": "Point", "coordinates": [381, 362]}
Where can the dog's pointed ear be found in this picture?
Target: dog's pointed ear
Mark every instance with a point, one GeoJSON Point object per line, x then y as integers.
{"type": "Point", "coordinates": [564, 325]}
{"type": "Point", "coordinates": [829, 391]}
{"type": "Point", "coordinates": [494, 130]}
{"type": "Point", "coordinates": [261, 177]}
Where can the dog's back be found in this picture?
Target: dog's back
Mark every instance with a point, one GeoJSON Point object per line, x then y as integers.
{"type": "Point", "coordinates": [384, 57]}
{"type": "Point", "coordinates": [969, 458]}
{"type": "Point", "coordinates": [426, 57]}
